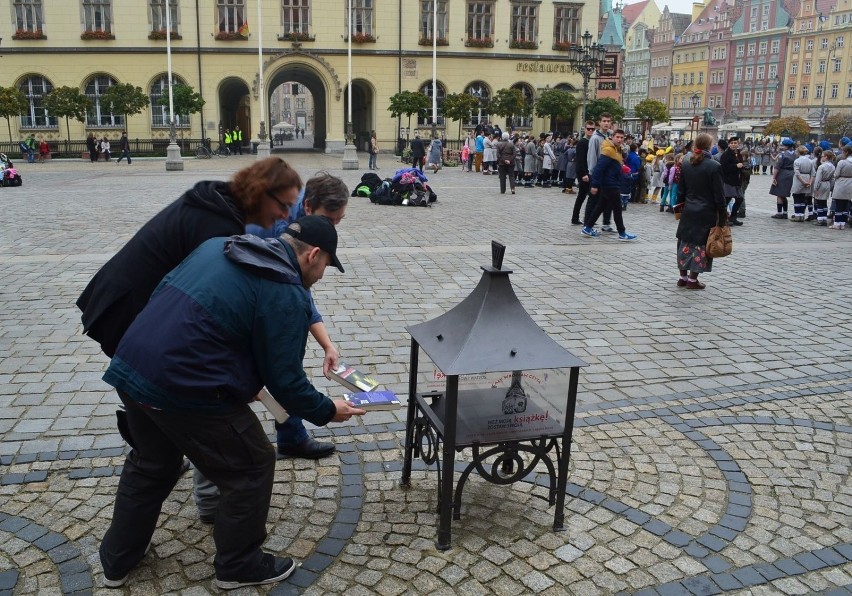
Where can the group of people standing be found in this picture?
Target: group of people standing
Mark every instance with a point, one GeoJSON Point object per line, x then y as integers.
{"type": "Point", "coordinates": [233, 140]}
{"type": "Point", "coordinates": [103, 147]}
{"type": "Point", "coordinates": [818, 179]}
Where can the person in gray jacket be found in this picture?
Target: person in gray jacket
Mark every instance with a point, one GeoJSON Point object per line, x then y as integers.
{"type": "Point", "coordinates": [842, 192]}
{"type": "Point", "coordinates": [822, 187]}
{"type": "Point", "coordinates": [592, 156]}
{"type": "Point", "coordinates": [802, 188]}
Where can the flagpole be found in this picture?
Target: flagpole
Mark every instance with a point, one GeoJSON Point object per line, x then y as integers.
{"type": "Point", "coordinates": [350, 155]}
{"type": "Point", "coordinates": [434, 68]}
{"type": "Point", "coordinates": [262, 147]}
{"type": "Point", "coordinates": [174, 161]}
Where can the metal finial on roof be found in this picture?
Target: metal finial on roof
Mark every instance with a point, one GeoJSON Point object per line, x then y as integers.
{"type": "Point", "coordinates": [497, 252]}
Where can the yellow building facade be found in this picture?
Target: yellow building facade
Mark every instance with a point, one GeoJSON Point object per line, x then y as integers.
{"type": "Point", "coordinates": [484, 45]}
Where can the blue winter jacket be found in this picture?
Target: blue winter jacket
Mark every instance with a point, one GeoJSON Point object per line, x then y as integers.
{"type": "Point", "coordinates": [607, 172]}
{"type": "Point", "coordinates": [231, 318]}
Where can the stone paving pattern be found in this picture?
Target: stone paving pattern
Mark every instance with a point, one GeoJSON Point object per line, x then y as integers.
{"type": "Point", "coordinates": [713, 436]}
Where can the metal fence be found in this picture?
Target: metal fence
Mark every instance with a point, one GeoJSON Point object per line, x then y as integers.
{"type": "Point", "coordinates": [76, 149]}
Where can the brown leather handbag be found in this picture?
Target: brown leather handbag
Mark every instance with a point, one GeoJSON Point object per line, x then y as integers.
{"type": "Point", "coordinates": [720, 243]}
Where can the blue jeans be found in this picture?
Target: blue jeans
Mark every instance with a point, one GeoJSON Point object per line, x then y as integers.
{"type": "Point", "coordinates": [291, 433]}
{"type": "Point", "coordinates": [31, 155]}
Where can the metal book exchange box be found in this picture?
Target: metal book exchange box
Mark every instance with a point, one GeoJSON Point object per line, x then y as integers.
{"type": "Point", "coordinates": [491, 381]}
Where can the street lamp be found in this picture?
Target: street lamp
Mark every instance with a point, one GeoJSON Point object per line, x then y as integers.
{"type": "Point", "coordinates": [586, 58]}
{"type": "Point", "coordinates": [695, 101]}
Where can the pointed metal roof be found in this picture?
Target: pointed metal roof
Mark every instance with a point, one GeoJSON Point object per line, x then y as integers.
{"type": "Point", "coordinates": [490, 331]}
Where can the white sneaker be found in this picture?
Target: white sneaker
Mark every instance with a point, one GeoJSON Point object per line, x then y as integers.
{"type": "Point", "coordinates": [607, 229]}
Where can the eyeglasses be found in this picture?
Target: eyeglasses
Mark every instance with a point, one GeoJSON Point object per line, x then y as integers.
{"type": "Point", "coordinates": [284, 206]}
{"type": "Point", "coordinates": [590, 128]}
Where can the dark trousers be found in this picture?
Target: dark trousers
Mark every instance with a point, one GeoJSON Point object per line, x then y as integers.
{"type": "Point", "coordinates": [504, 171]}
{"type": "Point", "coordinates": [417, 163]}
{"type": "Point", "coordinates": [591, 205]}
{"type": "Point", "coordinates": [735, 210]}
{"type": "Point", "coordinates": [608, 198]}
{"type": "Point", "coordinates": [125, 153]}
{"type": "Point", "coordinates": [582, 193]}
{"type": "Point", "coordinates": [93, 155]}
{"type": "Point", "coordinates": [230, 449]}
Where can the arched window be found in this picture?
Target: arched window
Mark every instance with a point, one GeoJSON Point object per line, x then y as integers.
{"type": "Point", "coordinates": [160, 111]}
{"type": "Point", "coordinates": [426, 118]}
{"type": "Point", "coordinates": [35, 88]}
{"type": "Point", "coordinates": [480, 91]}
{"type": "Point", "coordinates": [520, 120]}
{"type": "Point", "coordinates": [101, 115]}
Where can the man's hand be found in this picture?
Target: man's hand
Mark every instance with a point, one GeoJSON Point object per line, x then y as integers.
{"type": "Point", "coordinates": [330, 360]}
{"type": "Point", "coordinates": [345, 411]}
{"type": "Point", "coordinates": [585, 178]}
{"type": "Point", "coordinates": [593, 190]}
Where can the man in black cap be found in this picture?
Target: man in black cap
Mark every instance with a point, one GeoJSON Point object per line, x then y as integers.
{"type": "Point", "coordinates": [232, 318]}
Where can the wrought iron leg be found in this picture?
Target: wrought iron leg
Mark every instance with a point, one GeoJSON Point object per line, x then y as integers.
{"type": "Point", "coordinates": [562, 483]}
{"type": "Point", "coordinates": [445, 499]}
{"type": "Point", "coordinates": [405, 479]}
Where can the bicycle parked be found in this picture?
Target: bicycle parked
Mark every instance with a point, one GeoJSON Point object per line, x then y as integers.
{"type": "Point", "coordinates": [204, 151]}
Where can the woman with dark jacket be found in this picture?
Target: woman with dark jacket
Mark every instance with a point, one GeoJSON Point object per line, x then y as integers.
{"type": "Point", "coordinates": [506, 162]}
{"type": "Point", "coordinates": [700, 188]}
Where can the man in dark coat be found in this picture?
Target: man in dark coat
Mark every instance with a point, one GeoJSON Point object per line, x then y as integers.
{"type": "Point", "coordinates": [582, 165]}
{"type": "Point", "coordinates": [418, 152]}
{"type": "Point", "coordinates": [732, 165]}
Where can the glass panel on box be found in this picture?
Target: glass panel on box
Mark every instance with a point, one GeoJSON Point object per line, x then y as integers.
{"type": "Point", "coordinates": [500, 406]}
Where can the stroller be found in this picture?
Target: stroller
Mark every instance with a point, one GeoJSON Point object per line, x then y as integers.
{"type": "Point", "coordinates": [10, 176]}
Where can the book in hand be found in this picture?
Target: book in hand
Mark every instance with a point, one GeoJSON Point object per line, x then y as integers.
{"type": "Point", "coordinates": [271, 404]}
{"type": "Point", "coordinates": [352, 378]}
{"type": "Point", "coordinates": [373, 400]}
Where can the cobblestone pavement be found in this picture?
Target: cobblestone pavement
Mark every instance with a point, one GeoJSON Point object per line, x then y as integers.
{"type": "Point", "coordinates": [714, 429]}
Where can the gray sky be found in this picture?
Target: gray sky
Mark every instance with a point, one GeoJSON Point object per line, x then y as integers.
{"type": "Point", "coordinates": [682, 6]}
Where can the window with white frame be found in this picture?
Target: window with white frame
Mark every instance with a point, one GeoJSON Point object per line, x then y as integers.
{"type": "Point", "coordinates": [849, 91]}
{"type": "Point", "coordinates": [362, 17]}
{"type": "Point", "coordinates": [758, 98]}
{"type": "Point", "coordinates": [746, 98]}
{"type": "Point", "coordinates": [791, 93]}
{"type": "Point", "coordinates": [700, 77]}
{"type": "Point", "coordinates": [480, 91]}
{"type": "Point", "coordinates": [97, 15]}
{"type": "Point", "coordinates": [749, 73]}
{"type": "Point", "coordinates": [823, 44]}
{"type": "Point", "coordinates": [770, 98]}
{"type": "Point", "coordinates": [773, 71]}
{"type": "Point", "coordinates": [425, 118]}
{"type": "Point", "coordinates": [99, 114]}
{"type": "Point", "coordinates": [796, 46]}
{"type": "Point", "coordinates": [818, 92]}
{"type": "Point", "coordinates": [160, 108]}
{"type": "Point", "coordinates": [752, 28]}
{"type": "Point", "coordinates": [807, 67]}
{"type": "Point", "coordinates": [157, 15]}
{"type": "Point", "coordinates": [839, 41]}
{"type": "Point", "coordinates": [28, 15]}
{"type": "Point", "coordinates": [427, 14]}
{"type": "Point", "coordinates": [809, 45]}
{"type": "Point", "coordinates": [754, 12]}
{"type": "Point", "coordinates": [296, 17]}
{"type": "Point", "coordinates": [834, 90]}
{"type": "Point", "coordinates": [735, 98]}
{"type": "Point", "coordinates": [766, 10]}
{"type": "Point", "coordinates": [230, 15]}
{"type": "Point", "coordinates": [761, 72]}
{"type": "Point", "coordinates": [751, 48]}
{"type": "Point", "coordinates": [524, 22]}
{"type": "Point", "coordinates": [761, 49]}
{"type": "Point", "coordinates": [775, 46]}
{"type": "Point", "coordinates": [566, 23]}
{"type": "Point", "coordinates": [764, 25]}
{"type": "Point", "coordinates": [740, 50]}
{"type": "Point", "coordinates": [794, 68]}
{"type": "Point", "coordinates": [821, 66]}
{"type": "Point", "coordinates": [35, 116]}
{"type": "Point", "coordinates": [480, 20]}
{"type": "Point", "coordinates": [836, 67]}
{"type": "Point", "coordinates": [805, 92]}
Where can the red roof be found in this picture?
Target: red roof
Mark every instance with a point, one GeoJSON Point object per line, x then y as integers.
{"type": "Point", "coordinates": [631, 12]}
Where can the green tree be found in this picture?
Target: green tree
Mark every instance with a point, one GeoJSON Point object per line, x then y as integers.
{"type": "Point", "coordinates": [509, 103]}
{"type": "Point", "coordinates": [125, 99]}
{"type": "Point", "coordinates": [791, 126]}
{"type": "Point", "coordinates": [651, 110]}
{"type": "Point", "coordinates": [556, 104]}
{"type": "Point", "coordinates": [596, 107]}
{"type": "Point", "coordinates": [408, 103]}
{"type": "Point", "coordinates": [67, 102]}
{"type": "Point", "coordinates": [838, 124]}
{"type": "Point", "coordinates": [12, 103]}
{"type": "Point", "coordinates": [458, 106]}
{"type": "Point", "coordinates": [186, 101]}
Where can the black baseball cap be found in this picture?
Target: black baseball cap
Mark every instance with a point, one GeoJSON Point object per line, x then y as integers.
{"type": "Point", "coordinates": [317, 231]}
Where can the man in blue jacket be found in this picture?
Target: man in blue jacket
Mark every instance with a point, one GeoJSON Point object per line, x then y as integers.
{"type": "Point", "coordinates": [230, 319]}
{"type": "Point", "coordinates": [607, 180]}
